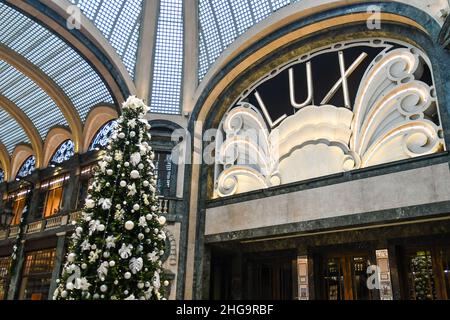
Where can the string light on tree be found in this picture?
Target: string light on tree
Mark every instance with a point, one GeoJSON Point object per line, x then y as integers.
{"type": "Point", "coordinates": [113, 254]}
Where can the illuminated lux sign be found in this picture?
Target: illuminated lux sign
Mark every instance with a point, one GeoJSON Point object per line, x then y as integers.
{"type": "Point", "coordinates": [343, 107]}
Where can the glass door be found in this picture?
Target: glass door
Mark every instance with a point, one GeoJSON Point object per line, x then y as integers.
{"type": "Point", "coordinates": [334, 279]}
{"type": "Point", "coordinates": [426, 273]}
{"type": "Point", "coordinates": [270, 278]}
{"type": "Point", "coordinates": [344, 277]}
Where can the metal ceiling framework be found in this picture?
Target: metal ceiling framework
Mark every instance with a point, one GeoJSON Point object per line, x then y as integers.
{"type": "Point", "coordinates": [222, 21]}
{"type": "Point", "coordinates": [41, 72]}
{"type": "Point", "coordinates": [119, 21]}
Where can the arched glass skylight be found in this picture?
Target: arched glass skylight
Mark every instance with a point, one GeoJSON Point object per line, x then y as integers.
{"type": "Point", "coordinates": [168, 65]}
{"type": "Point", "coordinates": [29, 97]}
{"type": "Point", "coordinates": [11, 133]}
{"type": "Point", "coordinates": [64, 152]}
{"type": "Point", "coordinates": [27, 167]}
{"type": "Point", "coordinates": [222, 21]}
{"type": "Point", "coordinates": [53, 56]}
{"type": "Point", "coordinates": [2, 175]}
{"type": "Point", "coordinates": [119, 22]}
{"type": "Point", "coordinates": [102, 137]}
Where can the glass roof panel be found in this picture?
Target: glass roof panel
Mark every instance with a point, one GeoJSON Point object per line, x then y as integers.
{"type": "Point", "coordinates": [168, 65]}
{"type": "Point", "coordinates": [222, 21]}
{"type": "Point", "coordinates": [119, 22]}
{"type": "Point", "coordinates": [11, 132]}
{"type": "Point", "coordinates": [30, 98]}
{"type": "Point", "coordinates": [70, 71]}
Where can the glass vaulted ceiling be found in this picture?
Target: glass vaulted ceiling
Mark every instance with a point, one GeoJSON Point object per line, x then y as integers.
{"type": "Point", "coordinates": [119, 22]}
{"type": "Point", "coordinates": [222, 21]}
{"type": "Point", "coordinates": [59, 61]}
{"type": "Point", "coordinates": [168, 65]}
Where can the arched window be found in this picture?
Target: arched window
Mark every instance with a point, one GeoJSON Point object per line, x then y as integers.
{"type": "Point", "coordinates": [27, 167]}
{"type": "Point", "coordinates": [2, 175]}
{"type": "Point", "coordinates": [65, 151]}
{"type": "Point", "coordinates": [103, 135]}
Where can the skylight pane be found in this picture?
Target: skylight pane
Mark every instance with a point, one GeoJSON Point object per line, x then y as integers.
{"type": "Point", "coordinates": [71, 72]}
{"type": "Point", "coordinates": [222, 21]}
{"type": "Point", "coordinates": [168, 65]}
{"type": "Point", "coordinates": [10, 135]}
{"type": "Point", "coordinates": [119, 22]}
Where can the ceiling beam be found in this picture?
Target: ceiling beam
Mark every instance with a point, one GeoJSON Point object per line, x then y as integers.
{"type": "Point", "coordinates": [27, 125]}
{"type": "Point", "coordinates": [50, 87]}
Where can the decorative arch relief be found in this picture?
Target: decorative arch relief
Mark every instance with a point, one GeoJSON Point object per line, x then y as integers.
{"type": "Point", "coordinates": [347, 106]}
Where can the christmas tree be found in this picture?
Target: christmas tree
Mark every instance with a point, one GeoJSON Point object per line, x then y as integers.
{"type": "Point", "coordinates": [116, 248]}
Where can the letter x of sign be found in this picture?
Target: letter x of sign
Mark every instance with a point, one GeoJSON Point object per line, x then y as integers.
{"type": "Point", "coordinates": [345, 74]}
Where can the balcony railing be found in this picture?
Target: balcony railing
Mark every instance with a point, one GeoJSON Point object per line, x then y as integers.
{"type": "Point", "coordinates": [65, 220]}
{"type": "Point", "coordinates": [13, 231]}
{"type": "Point", "coordinates": [3, 234]}
{"type": "Point", "coordinates": [163, 205]}
{"type": "Point", "coordinates": [34, 227]}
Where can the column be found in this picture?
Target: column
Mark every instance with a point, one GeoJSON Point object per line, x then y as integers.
{"type": "Point", "coordinates": [304, 275]}
{"type": "Point", "coordinates": [190, 68]}
{"type": "Point", "coordinates": [146, 50]}
{"type": "Point", "coordinates": [17, 266]}
{"type": "Point", "coordinates": [394, 272]}
{"type": "Point", "coordinates": [59, 260]}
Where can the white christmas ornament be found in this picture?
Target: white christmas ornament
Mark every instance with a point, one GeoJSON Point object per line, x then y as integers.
{"type": "Point", "coordinates": [125, 251]}
{"type": "Point", "coordinates": [132, 189]}
{"type": "Point", "coordinates": [105, 203]}
{"type": "Point", "coordinates": [109, 172]}
{"type": "Point", "coordinates": [162, 220]}
{"type": "Point", "coordinates": [135, 158]}
{"type": "Point", "coordinates": [127, 275]}
{"type": "Point", "coordinates": [123, 183]}
{"type": "Point", "coordinates": [90, 203]}
{"type": "Point", "coordinates": [71, 257]}
{"type": "Point", "coordinates": [103, 288]}
{"type": "Point", "coordinates": [134, 174]}
{"type": "Point", "coordinates": [129, 225]}
{"type": "Point", "coordinates": [110, 242]}
{"type": "Point", "coordinates": [112, 263]}
{"type": "Point", "coordinates": [136, 265]}
{"type": "Point", "coordinates": [121, 135]}
{"type": "Point", "coordinates": [101, 228]}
